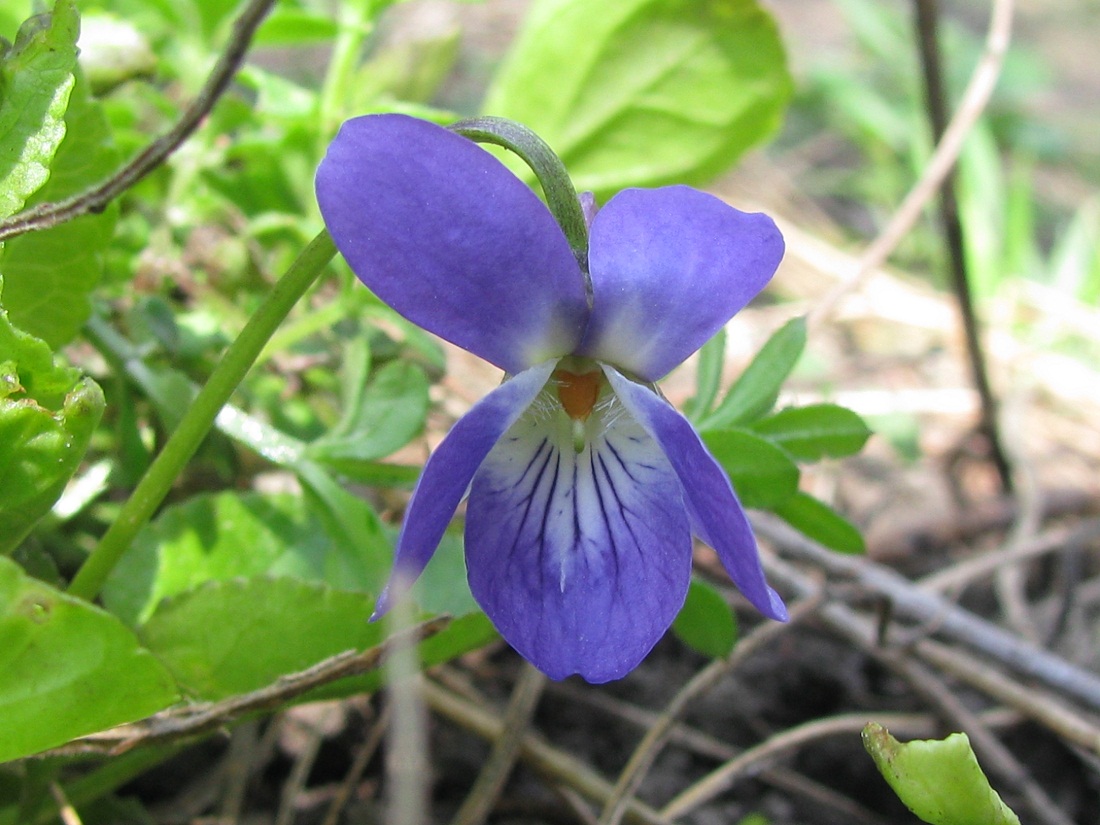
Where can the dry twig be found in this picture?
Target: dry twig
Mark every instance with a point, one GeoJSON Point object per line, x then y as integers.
{"type": "Point", "coordinates": [358, 765]}
{"type": "Point", "coordinates": [542, 757]}
{"type": "Point", "coordinates": [909, 600]}
{"type": "Point", "coordinates": [755, 759]}
{"type": "Point", "coordinates": [193, 720]}
{"type": "Point", "coordinates": [499, 765]}
{"type": "Point", "coordinates": [650, 746]}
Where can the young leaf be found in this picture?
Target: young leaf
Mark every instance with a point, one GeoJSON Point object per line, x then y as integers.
{"type": "Point", "coordinates": [939, 780]}
{"type": "Point", "coordinates": [820, 522]}
{"type": "Point", "coordinates": [816, 431]}
{"type": "Point", "coordinates": [706, 622]}
{"type": "Point", "coordinates": [763, 475]}
{"type": "Point", "coordinates": [67, 668]}
{"type": "Point", "coordinates": [645, 92]}
{"type": "Point", "coordinates": [755, 392]}
{"type": "Point", "coordinates": [36, 78]}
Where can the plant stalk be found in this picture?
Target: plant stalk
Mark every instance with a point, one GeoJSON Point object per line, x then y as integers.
{"type": "Point", "coordinates": [199, 418]}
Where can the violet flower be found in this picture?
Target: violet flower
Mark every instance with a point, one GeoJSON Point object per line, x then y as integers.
{"type": "Point", "coordinates": [585, 486]}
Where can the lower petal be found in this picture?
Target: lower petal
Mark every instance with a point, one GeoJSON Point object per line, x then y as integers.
{"type": "Point", "coordinates": [581, 560]}
{"type": "Point", "coordinates": [717, 515]}
{"type": "Point", "coordinates": [448, 471]}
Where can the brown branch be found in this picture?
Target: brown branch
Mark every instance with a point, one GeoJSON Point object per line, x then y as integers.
{"type": "Point", "coordinates": [755, 759]}
{"type": "Point", "coordinates": [96, 199]}
{"type": "Point", "coordinates": [540, 756]}
{"type": "Point", "coordinates": [498, 767]}
{"type": "Point", "coordinates": [650, 746]}
{"type": "Point", "coordinates": [960, 625]}
{"type": "Point", "coordinates": [197, 719]}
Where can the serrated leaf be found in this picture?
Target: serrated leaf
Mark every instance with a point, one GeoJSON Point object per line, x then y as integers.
{"type": "Point", "coordinates": [31, 370]}
{"type": "Point", "coordinates": [816, 431]}
{"type": "Point", "coordinates": [47, 416]}
{"type": "Point", "coordinates": [49, 274]}
{"type": "Point", "coordinates": [755, 391]}
{"type": "Point", "coordinates": [229, 637]}
{"type": "Point", "coordinates": [645, 92]}
{"type": "Point", "coordinates": [67, 668]}
{"type": "Point", "coordinates": [706, 622]}
{"type": "Point", "coordinates": [939, 780]}
{"type": "Point", "coordinates": [39, 453]}
{"type": "Point", "coordinates": [762, 474]}
{"type": "Point", "coordinates": [227, 535]}
{"type": "Point", "coordinates": [820, 522]}
{"type": "Point", "coordinates": [36, 78]}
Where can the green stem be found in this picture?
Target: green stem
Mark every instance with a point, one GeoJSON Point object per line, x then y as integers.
{"type": "Point", "coordinates": [199, 418]}
{"type": "Point", "coordinates": [561, 197]}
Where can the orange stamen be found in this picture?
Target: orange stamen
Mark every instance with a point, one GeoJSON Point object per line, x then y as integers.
{"type": "Point", "coordinates": [578, 393]}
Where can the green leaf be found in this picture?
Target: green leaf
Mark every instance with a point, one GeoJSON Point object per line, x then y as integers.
{"type": "Point", "coordinates": [815, 432]}
{"type": "Point", "coordinates": [361, 551]}
{"type": "Point", "coordinates": [939, 780]}
{"type": "Point", "coordinates": [227, 535]}
{"type": "Point", "coordinates": [706, 622]}
{"type": "Point", "coordinates": [229, 637]}
{"type": "Point", "coordinates": [820, 522]}
{"type": "Point", "coordinates": [50, 274]}
{"type": "Point", "coordinates": [755, 392]}
{"type": "Point", "coordinates": [645, 92]}
{"type": "Point", "coordinates": [708, 375]}
{"type": "Point", "coordinates": [763, 475]}
{"type": "Point", "coordinates": [389, 414]}
{"type": "Point", "coordinates": [39, 452]}
{"type": "Point", "coordinates": [443, 587]}
{"type": "Point", "coordinates": [67, 668]}
{"type": "Point", "coordinates": [47, 416]}
{"type": "Point", "coordinates": [375, 473]}
{"type": "Point", "coordinates": [36, 78]}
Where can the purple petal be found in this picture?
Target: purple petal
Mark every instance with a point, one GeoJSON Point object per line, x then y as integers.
{"type": "Point", "coordinates": [447, 474]}
{"type": "Point", "coordinates": [718, 517]}
{"type": "Point", "coordinates": [669, 267]}
{"type": "Point", "coordinates": [581, 560]}
{"type": "Point", "coordinates": [441, 231]}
